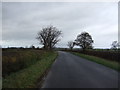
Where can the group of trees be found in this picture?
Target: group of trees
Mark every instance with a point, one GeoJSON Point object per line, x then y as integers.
{"type": "Point", "coordinates": [84, 40]}
{"type": "Point", "coordinates": [49, 36]}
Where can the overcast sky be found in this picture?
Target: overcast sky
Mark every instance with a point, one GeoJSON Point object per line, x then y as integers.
{"type": "Point", "coordinates": [22, 21]}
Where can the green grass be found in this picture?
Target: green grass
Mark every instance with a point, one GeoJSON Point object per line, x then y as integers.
{"type": "Point", "coordinates": [27, 78]}
{"type": "Point", "coordinates": [108, 63]}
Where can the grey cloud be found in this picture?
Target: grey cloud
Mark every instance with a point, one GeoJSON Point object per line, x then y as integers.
{"type": "Point", "coordinates": [22, 21]}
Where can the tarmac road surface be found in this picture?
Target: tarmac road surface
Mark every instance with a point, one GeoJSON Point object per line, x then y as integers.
{"type": "Point", "coordinates": [70, 71]}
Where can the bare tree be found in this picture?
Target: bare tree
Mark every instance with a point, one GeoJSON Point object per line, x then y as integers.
{"type": "Point", "coordinates": [49, 36]}
{"type": "Point", "coordinates": [32, 46]}
{"type": "Point", "coordinates": [70, 44]}
{"type": "Point", "coordinates": [115, 45]}
{"type": "Point", "coordinates": [118, 45]}
{"type": "Point", "coordinates": [84, 40]}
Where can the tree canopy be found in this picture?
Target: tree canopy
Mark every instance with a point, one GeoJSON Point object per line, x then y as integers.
{"type": "Point", "coordinates": [49, 36]}
{"type": "Point", "coordinates": [84, 40]}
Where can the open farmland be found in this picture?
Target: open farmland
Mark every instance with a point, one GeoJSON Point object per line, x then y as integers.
{"type": "Point", "coordinates": [14, 60]}
{"type": "Point", "coordinates": [105, 54]}
{"type": "Point", "coordinates": [22, 68]}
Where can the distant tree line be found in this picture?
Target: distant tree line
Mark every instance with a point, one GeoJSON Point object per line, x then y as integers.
{"type": "Point", "coordinates": [49, 36]}
{"type": "Point", "coordinates": [26, 47]}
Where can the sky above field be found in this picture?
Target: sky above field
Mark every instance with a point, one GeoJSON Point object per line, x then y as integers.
{"type": "Point", "coordinates": [21, 22]}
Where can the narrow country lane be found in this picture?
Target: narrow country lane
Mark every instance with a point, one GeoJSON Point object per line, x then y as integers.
{"type": "Point", "coordinates": [70, 71]}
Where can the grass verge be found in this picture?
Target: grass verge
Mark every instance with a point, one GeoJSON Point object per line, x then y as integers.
{"type": "Point", "coordinates": [111, 64]}
{"type": "Point", "coordinates": [28, 77]}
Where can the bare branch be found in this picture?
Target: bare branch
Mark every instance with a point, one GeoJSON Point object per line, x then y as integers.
{"type": "Point", "coordinates": [70, 44]}
{"type": "Point", "coordinates": [49, 36]}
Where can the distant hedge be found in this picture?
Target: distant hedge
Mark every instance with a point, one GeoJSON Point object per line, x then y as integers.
{"type": "Point", "coordinates": [109, 55]}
